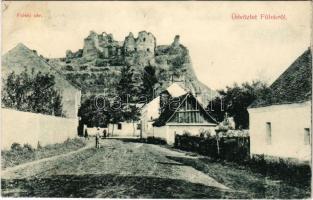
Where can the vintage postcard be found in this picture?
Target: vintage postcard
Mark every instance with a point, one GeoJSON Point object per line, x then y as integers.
{"type": "Point", "coordinates": [142, 99]}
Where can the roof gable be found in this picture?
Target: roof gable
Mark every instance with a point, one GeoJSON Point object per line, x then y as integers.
{"type": "Point", "coordinates": [176, 104]}
{"type": "Point", "coordinates": [21, 57]}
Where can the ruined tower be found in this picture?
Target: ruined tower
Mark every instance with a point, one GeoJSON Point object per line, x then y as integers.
{"type": "Point", "coordinates": [144, 43]}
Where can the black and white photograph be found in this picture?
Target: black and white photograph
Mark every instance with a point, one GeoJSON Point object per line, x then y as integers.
{"type": "Point", "coordinates": [156, 99]}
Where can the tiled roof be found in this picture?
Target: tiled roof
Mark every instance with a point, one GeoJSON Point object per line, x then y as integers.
{"type": "Point", "coordinates": [293, 86]}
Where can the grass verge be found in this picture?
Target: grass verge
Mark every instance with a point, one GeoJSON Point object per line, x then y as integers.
{"type": "Point", "coordinates": [22, 154]}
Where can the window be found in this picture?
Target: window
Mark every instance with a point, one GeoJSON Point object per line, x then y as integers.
{"type": "Point", "coordinates": [148, 50]}
{"type": "Point", "coordinates": [268, 133]}
{"type": "Point", "coordinates": [138, 126]}
{"type": "Point", "coordinates": [307, 138]}
{"type": "Point", "coordinates": [144, 39]}
{"type": "Point", "coordinates": [119, 126]}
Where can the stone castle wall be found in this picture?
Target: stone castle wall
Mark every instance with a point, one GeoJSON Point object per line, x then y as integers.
{"type": "Point", "coordinates": [104, 46]}
{"type": "Point", "coordinates": [144, 43]}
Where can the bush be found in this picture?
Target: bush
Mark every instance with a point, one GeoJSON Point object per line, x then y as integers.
{"type": "Point", "coordinates": [69, 68]}
{"type": "Point", "coordinates": [292, 172]}
{"type": "Point", "coordinates": [101, 63]}
{"type": "Point", "coordinates": [28, 147]}
{"type": "Point", "coordinates": [117, 62]}
{"type": "Point", "coordinates": [155, 140]}
{"type": "Point", "coordinates": [228, 148]}
{"type": "Point", "coordinates": [17, 93]}
{"type": "Point", "coordinates": [99, 69]}
{"type": "Point", "coordinates": [84, 67]}
{"type": "Point", "coordinates": [237, 149]}
{"type": "Point", "coordinates": [16, 147]}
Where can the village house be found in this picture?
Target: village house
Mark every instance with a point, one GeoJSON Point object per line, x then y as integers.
{"type": "Point", "coordinates": [21, 57]}
{"type": "Point", "coordinates": [175, 111]}
{"type": "Point", "coordinates": [124, 129]}
{"type": "Point", "coordinates": [151, 111]}
{"type": "Point", "coordinates": [280, 124]}
{"type": "Point", "coordinates": [43, 129]}
{"type": "Point", "coordinates": [120, 129]}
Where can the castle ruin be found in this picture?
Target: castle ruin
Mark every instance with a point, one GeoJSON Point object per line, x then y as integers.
{"type": "Point", "coordinates": [104, 46]}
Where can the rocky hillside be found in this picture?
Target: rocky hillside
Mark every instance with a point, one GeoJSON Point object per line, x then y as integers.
{"type": "Point", "coordinates": [96, 67]}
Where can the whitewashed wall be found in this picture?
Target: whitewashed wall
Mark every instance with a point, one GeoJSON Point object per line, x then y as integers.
{"type": "Point", "coordinates": [31, 128]}
{"type": "Point", "coordinates": [128, 129]}
{"type": "Point", "coordinates": [148, 113]}
{"type": "Point", "coordinates": [160, 132]}
{"type": "Point", "coordinates": [287, 123]}
{"type": "Point", "coordinates": [147, 129]}
{"type": "Point", "coordinates": [168, 132]}
{"type": "Point", "coordinates": [94, 131]}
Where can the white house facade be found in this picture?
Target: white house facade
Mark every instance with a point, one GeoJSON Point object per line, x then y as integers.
{"type": "Point", "coordinates": [124, 129]}
{"type": "Point", "coordinates": [280, 125]}
{"type": "Point", "coordinates": [152, 110]}
{"type": "Point", "coordinates": [175, 111]}
{"type": "Point", "coordinates": [281, 130]}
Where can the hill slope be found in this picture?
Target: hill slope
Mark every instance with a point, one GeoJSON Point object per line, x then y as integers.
{"type": "Point", "coordinates": [96, 68]}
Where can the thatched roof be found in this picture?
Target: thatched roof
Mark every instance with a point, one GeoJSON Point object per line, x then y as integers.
{"type": "Point", "coordinates": [293, 86]}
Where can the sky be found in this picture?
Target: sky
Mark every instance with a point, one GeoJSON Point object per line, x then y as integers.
{"type": "Point", "coordinates": [222, 50]}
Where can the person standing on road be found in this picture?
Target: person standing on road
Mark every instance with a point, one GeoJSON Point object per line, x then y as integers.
{"type": "Point", "coordinates": [104, 133]}
{"type": "Point", "coordinates": [86, 135]}
{"type": "Point", "coordinates": [97, 141]}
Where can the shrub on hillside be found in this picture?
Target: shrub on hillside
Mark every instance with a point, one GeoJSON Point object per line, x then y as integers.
{"type": "Point", "coordinates": [117, 62]}
{"type": "Point", "coordinates": [16, 147]}
{"type": "Point", "coordinates": [101, 63]}
{"type": "Point", "coordinates": [83, 67]}
{"type": "Point", "coordinates": [28, 147]}
{"type": "Point", "coordinates": [69, 68]}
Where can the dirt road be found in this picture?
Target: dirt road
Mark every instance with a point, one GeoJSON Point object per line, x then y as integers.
{"type": "Point", "coordinates": [124, 169]}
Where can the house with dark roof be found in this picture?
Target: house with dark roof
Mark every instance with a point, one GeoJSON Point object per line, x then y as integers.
{"type": "Point", "coordinates": [176, 111]}
{"type": "Point", "coordinates": [280, 122]}
{"type": "Point", "coordinates": [36, 128]}
{"type": "Point", "coordinates": [21, 57]}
